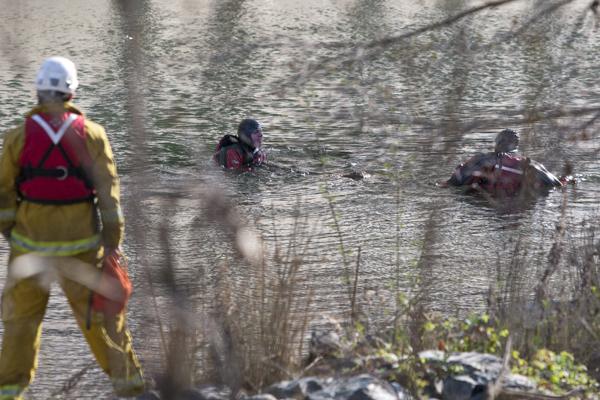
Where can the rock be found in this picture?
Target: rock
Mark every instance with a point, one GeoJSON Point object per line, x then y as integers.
{"type": "Point", "coordinates": [361, 387]}
{"type": "Point", "coordinates": [518, 382]}
{"type": "Point", "coordinates": [462, 387]}
{"type": "Point", "coordinates": [206, 392]}
{"type": "Point", "coordinates": [429, 356]}
{"type": "Point", "coordinates": [484, 368]}
{"type": "Point", "coordinates": [264, 396]}
{"type": "Point", "coordinates": [324, 344]}
{"type": "Point", "coordinates": [479, 370]}
{"type": "Point", "coordinates": [296, 389]}
{"type": "Point", "coordinates": [401, 392]}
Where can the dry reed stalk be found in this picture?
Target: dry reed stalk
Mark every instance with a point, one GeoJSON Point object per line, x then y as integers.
{"type": "Point", "coordinates": [353, 312]}
{"type": "Point", "coordinates": [70, 383]}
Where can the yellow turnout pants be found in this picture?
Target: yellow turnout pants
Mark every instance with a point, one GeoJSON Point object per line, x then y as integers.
{"type": "Point", "coordinates": [23, 307]}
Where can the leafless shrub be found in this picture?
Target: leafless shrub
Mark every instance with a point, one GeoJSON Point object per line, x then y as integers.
{"type": "Point", "coordinates": [562, 312]}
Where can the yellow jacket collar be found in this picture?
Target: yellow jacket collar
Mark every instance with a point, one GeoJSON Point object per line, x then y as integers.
{"type": "Point", "coordinates": [57, 107]}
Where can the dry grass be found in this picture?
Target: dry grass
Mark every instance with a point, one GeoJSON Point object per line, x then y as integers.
{"type": "Point", "coordinates": [562, 312]}
{"type": "Point", "coordinates": [243, 326]}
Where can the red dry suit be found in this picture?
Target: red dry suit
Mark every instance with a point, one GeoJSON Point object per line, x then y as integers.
{"type": "Point", "coordinates": [232, 153]}
{"type": "Point", "coordinates": [502, 174]}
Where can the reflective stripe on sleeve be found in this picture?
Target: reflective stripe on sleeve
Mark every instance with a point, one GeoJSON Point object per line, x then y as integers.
{"type": "Point", "coordinates": [66, 248]}
{"type": "Point", "coordinates": [114, 215]}
{"type": "Point", "coordinates": [8, 214]}
{"type": "Point", "coordinates": [509, 169]}
{"type": "Point", "coordinates": [10, 392]}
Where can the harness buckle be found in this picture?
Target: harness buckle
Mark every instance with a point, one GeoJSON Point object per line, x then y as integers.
{"type": "Point", "coordinates": [64, 171]}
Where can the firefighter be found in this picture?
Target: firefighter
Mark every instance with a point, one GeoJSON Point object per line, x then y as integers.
{"type": "Point", "coordinates": [58, 186]}
{"type": "Point", "coordinates": [242, 152]}
{"type": "Point", "coordinates": [503, 172]}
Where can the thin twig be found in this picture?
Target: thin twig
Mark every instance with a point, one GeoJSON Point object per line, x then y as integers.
{"type": "Point", "coordinates": [588, 328]}
{"type": "Point", "coordinates": [370, 49]}
{"type": "Point", "coordinates": [355, 286]}
{"type": "Point", "coordinates": [496, 387]}
{"type": "Point", "coordinates": [312, 364]}
{"type": "Point", "coordinates": [526, 25]}
{"type": "Point", "coordinates": [72, 381]}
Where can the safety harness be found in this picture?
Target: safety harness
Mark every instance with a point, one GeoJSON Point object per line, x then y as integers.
{"type": "Point", "coordinates": [508, 174]}
{"type": "Point", "coordinates": [53, 162]}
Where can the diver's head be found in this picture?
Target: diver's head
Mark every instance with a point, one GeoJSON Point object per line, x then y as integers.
{"type": "Point", "coordinates": [250, 133]}
{"type": "Point", "coordinates": [506, 141]}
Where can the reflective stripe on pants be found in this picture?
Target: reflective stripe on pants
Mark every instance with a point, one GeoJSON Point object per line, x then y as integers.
{"type": "Point", "coordinates": [24, 244]}
{"type": "Point", "coordinates": [11, 392]}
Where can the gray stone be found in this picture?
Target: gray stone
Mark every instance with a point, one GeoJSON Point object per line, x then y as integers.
{"type": "Point", "coordinates": [401, 392]}
{"type": "Point", "coordinates": [361, 387]}
{"type": "Point", "coordinates": [264, 396]}
{"type": "Point", "coordinates": [461, 387]}
{"type": "Point", "coordinates": [518, 382]}
{"type": "Point", "coordinates": [208, 392]}
{"type": "Point", "coordinates": [296, 389]}
{"type": "Point", "coordinates": [429, 356]}
{"type": "Point", "coordinates": [324, 344]}
{"type": "Point", "coordinates": [484, 368]}
{"type": "Point", "coordinates": [479, 370]}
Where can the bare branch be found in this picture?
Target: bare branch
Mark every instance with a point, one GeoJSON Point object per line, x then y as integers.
{"type": "Point", "coordinates": [516, 117]}
{"type": "Point", "coordinates": [526, 25]}
{"type": "Point", "coordinates": [374, 48]}
{"type": "Point", "coordinates": [436, 25]}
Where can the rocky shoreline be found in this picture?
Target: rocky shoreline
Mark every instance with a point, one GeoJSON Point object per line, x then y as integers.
{"type": "Point", "coordinates": [382, 376]}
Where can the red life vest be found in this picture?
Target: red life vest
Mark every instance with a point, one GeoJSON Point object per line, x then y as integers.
{"type": "Point", "coordinates": [229, 142]}
{"type": "Point", "coordinates": [53, 161]}
{"type": "Point", "coordinates": [507, 175]}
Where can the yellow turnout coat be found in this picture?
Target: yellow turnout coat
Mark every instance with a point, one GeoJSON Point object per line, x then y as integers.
{"type": "Point", "coordinates": [61, 235]}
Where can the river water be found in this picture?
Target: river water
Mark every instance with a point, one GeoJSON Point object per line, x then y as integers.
{"type": "Point", "coordinates": [168, 78]}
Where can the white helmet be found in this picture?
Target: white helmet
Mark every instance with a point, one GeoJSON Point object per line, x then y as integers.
{"type": "Point", "coordinates": [58, 74]}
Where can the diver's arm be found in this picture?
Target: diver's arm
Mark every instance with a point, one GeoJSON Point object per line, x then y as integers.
{"type": "Point", "coordinates": [469, 170]}
{"type": "Point", "coordinates": [543, 176]}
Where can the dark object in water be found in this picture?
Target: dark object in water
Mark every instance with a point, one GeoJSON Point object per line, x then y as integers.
{"type": "Point", "coordinates": [355, 175]}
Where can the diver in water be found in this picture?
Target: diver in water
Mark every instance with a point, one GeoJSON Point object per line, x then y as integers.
{"type": "Point", "coordinates": [242, 152]}
{"type": "Point", "coordinates": [503, 172]}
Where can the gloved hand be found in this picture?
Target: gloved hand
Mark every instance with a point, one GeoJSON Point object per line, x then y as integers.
{"type": "Point", "coordinates": [112, 251]}
{"type": "Point", "coordinates": [114, 287]}
{"type": "Point", "coordinates": [258, 157]}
